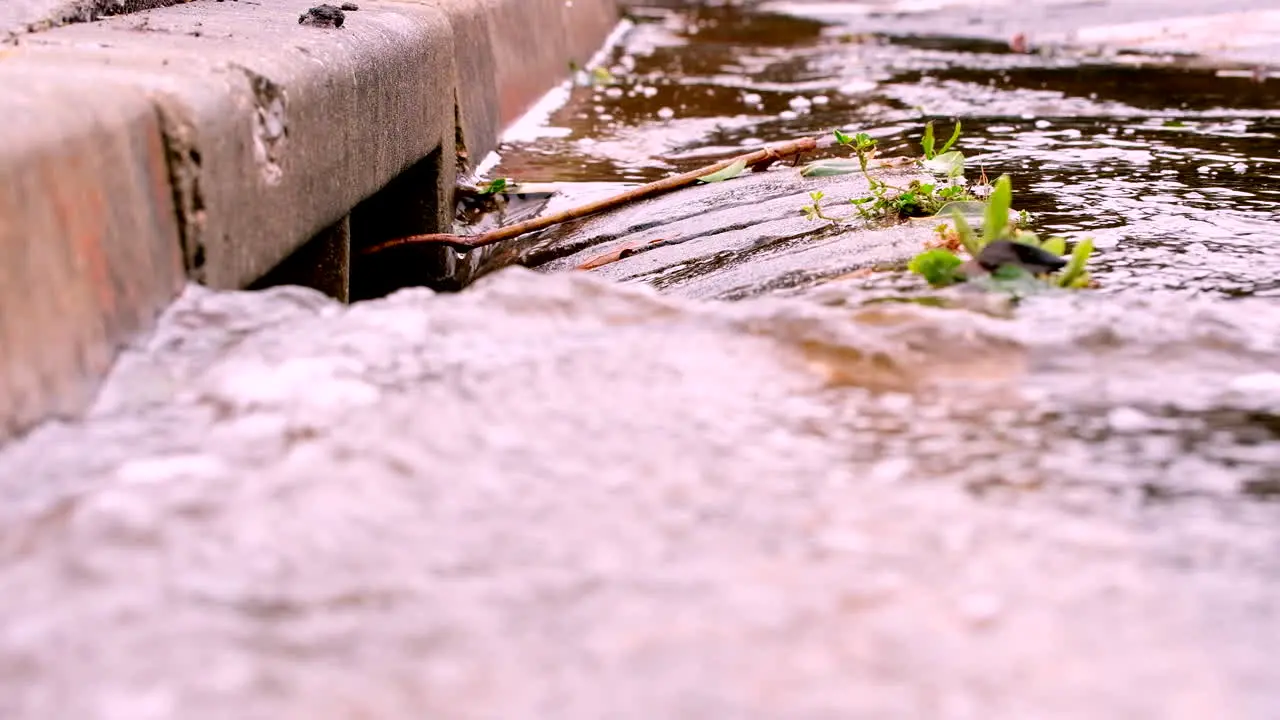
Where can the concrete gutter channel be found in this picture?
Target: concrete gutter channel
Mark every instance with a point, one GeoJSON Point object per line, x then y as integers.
{"type": "Point", "coordinates": [228, 144]}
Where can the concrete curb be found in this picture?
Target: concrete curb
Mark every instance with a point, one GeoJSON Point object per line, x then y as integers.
{"type": "Point", "coordinates": [213, 140]}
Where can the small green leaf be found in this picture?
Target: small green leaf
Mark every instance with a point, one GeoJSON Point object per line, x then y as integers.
{"type": "Point", "coordinates": [495, 186]}
{"type": "Point", "coordinates": [967, 237]}
{"type": "Point", "coordinates": [727, 173]}
{"type": "Point", "coordinates": [997, 215]}
{"type": "Point", "coordinates": [950, 164]}
{"type": "Point", "coordinates": [926, 142]}
{"type": "Point", "coordinates": [1055, 245]}
{"type": "Point", "coordinates": [843, 139]}
{"type": "Point", "coordinates": [937, 266]}
{"type": "Point", "coordinates": [863, 141]}
{"type": "Point", "coordinates": [830, 167]}
{"type": "Point", "coordinates": [1083, 281]}
{"type": "Point", "coordinates": [955, 135]}
{"type": "Point", "coordinates": [1075, 266]}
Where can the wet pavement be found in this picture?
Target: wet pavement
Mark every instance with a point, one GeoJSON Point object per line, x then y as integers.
{"type": "Point", "coordinates": [733, 239]}
{"type": "Point", "coordinates": [754, 474]}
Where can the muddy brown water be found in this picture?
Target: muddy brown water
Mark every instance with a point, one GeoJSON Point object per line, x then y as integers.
{"type": "Point", "coordinates": [1174, 171]}
{"type": "Point", "coordinates": [557, 495]}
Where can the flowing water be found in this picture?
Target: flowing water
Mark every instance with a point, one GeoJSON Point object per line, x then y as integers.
{"type": "Point", "coordinates": [552, 495]}
{"type": "Point", "coordinates": [1175, 172]}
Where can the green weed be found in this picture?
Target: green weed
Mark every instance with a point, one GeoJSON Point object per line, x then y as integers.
{"type": "Point", "coordinates": [941, 266]}
{"type": "Point", "coordinates": [999, 266]}
{"type": "Point", "coordinates": [813, 211]}
{"type": "Point", "coordinates": [496, 186]}
{"type": "Point", "coordinates": [927, 141]}
{"type": "Point", "coordinates": [596, 77]}
{"type": "Point", "coordinates": [886, 201]}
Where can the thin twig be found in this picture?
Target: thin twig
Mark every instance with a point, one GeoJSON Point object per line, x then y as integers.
{"type": "Point", "coordinates": [464, 242]}
{"type": "Point", "coordinates": [625, 252]}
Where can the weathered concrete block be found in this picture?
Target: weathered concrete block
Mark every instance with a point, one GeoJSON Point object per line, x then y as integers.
{"type": "Point", "coordinates": [537, 39]}
{"type": "Point", "coordinates": [478, 114]}
{"type": "Point", "coordinates": [275, 130]}
{"type": "Point", "coordinates": [88, 239]}
{"type": "Point", "coordinates": [508, 53]}
{"type": "Point", "coordinates": [220, 138]}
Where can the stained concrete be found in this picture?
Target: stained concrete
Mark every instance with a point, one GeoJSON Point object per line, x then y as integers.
{"type": "Point", "coordinates": [89, 243]}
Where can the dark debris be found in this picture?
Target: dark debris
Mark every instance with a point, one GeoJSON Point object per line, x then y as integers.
{"type": "Point", "coordinates": [1000, 253]}
{"type": "Point", "coordinates": [323, 16]}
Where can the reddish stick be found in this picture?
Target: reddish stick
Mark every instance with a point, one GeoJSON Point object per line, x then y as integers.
{"type": "Point", "coordinates": [763, 156]}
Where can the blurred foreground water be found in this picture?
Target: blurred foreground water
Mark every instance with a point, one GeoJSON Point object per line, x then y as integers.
{"type": "Point", "coordinates": [555, 495]}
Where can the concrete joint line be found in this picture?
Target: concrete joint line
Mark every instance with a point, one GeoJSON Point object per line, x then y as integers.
{"type": "Point", "coordinates": [183, 156]}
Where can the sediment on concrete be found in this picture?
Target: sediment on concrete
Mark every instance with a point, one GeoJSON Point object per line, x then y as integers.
{"type": "Point", "coordinates": [20, 17]}
{"type": "Point", "coordinates": [209, 141]}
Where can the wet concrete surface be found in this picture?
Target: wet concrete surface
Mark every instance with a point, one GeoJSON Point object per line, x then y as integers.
{"type": "Point", "coordinates": [732, 239]}
{"type": "Point", "coordinates": [560, 496]}
{"type": "Point", "coordinates": [738, 476]}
